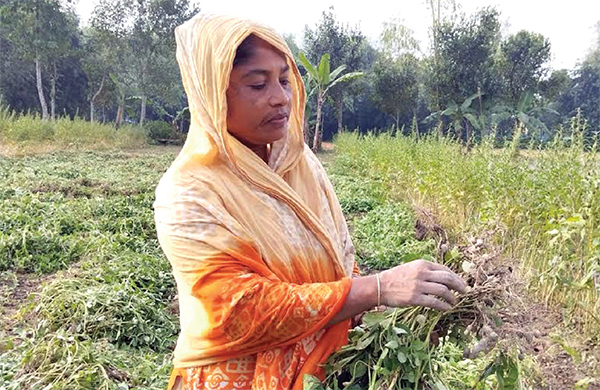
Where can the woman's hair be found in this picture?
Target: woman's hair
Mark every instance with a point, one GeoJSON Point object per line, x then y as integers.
{"type": "Point", "coordinates": [245, 50]}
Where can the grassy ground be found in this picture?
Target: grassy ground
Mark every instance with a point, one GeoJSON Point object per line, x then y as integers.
{"type": "Point", "coordinates": [76, 231]}
{"type": "Point", "coordinates": [81, 224]}
{"type": "Point", "coordinates": [23, 135]}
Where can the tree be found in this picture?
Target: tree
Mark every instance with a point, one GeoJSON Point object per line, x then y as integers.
{"type": "Point", "coordinates": [552, 87]}
{"type": "Point", "coordinates": [465, 62]}
{"type": "Point", "coordinates": [152, 43]}
{"type": "Point", "coordinates": [437, 7]}
{"type": "Point", "coordinates": [524, 115]}
{"type": "Point", "coordinates": [322, 80]}
{"type": "Point", "coordinates": [522, 60]}
{"type": "Point", "coordinates": [110, 30]}
{"type": "Point", "coordinates": [396, 74]}
{"type": "Point", "coordinates": [397, 39]}
{"type": "Point", "coordinates": [41, 31]}
{"type": "Point", "coordinates": [396, 85]}
{"type": "Point", "coordinates": [345, 45]}
{"type": "Point", "coordinates": [584, 91]}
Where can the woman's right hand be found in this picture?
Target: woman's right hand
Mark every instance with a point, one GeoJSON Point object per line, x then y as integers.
{"type": "Point", "coordinates": [420, 283]}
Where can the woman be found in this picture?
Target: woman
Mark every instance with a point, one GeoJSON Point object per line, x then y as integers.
{"type": "Point", "coordinates": [260, 249]}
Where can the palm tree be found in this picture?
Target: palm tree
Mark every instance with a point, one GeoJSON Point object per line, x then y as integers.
{"type": "Point", "coordinates": [321, 80]}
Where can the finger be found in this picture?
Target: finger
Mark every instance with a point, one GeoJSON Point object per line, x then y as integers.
{"type": "Point", "coordinates": [431, 302]}
{"type": "Point", "coordinates": [439, 290]}
{"type": "Point", "coordinates": [449, 279]}
{"type": "Point", "coordinates": [439, 267]}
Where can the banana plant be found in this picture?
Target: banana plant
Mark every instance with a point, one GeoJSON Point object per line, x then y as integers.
{"type": "Point", "coordinates": [461, 117]}
{"type": "Point", "coordinates": [524, 115]}
{"type": "Point", "coordinates": [320, 80]}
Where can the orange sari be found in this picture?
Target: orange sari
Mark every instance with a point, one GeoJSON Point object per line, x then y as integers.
{"type": "Point", "coordinates": [260, 252]}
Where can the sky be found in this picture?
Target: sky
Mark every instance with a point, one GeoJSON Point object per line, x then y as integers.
{"type": "Point", "coordinates": [568, 24]}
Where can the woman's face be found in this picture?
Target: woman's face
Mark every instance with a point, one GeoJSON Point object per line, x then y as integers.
{"type": "Point", "coordinates": [259, 96]}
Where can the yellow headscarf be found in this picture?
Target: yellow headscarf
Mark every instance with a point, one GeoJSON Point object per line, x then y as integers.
{"type": "Point", "coordinates": [224, 216]}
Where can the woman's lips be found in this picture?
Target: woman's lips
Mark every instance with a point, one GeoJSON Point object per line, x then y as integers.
{"type": "Point", "coordinates": [279, 120]}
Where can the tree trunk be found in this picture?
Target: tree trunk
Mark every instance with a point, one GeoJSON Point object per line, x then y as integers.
{"type": "Point", "coordinates": [53, 92]}
{"type": "Point", "coordinates": [340, 114]}
{"type": "Point", "coordinates": [317, 140]}
{"type": "Point", "coordinates": [93, 99]}
{"type": "Point", "coordinates": [143, 111]}
{"type": "Point", "coordinates": [40, 87]}
{"type": "Point", "coordinates": [416, 123]}
{"type": "Point", "coordinates": [306, 131]}
{"type": "Point", "coordinates": [119, 117]}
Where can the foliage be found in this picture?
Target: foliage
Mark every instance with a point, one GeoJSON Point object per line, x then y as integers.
{"type": "Point", "coordinates": [21, 131]}
{"type": "Point", "coordinates": [396, 85]}
{"type": "Point", "coordinates": [384, 238]}
{"type": "Point", "coordinates": [159, 131]}
{"type": "Point", "coordinates": [545, 204]}
{"type": "Point", "coordinates": [322, 79]}
{"type": "Point", "coordinates": [584, 90]}
{"type": "Point", "coordinates": [461, 117]}
{"type": "Point", "coordinates": [524, 116]}
{"type": "Point", "coordinates": [465, 60]}
{"type": "Point", "coordinates": [106, 321]}
{"type": "Point", "coordinates": [346, 46]}
{"type": "Point", "coordinates": [523, 57]}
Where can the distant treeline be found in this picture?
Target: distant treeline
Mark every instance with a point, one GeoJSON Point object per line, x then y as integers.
{"type": "Point", "coordinates": [470, 81]}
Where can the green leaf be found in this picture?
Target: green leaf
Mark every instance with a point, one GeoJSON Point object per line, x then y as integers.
{"type": "Point", "coordinates": [359, 370]}
{"type": "Point", "coordinates": [310, 68]}
{"type": "Point", "coordinates": [451, 109]}
{"type": "Point", "coordinates": [402, 357]}
{"type": "Point", "coordinates": [311, 382]}
{"type": "Point", "coordinates": [345, 78]}
{"type": "Point", "coordinates": [392, 344]}
{"type": "Point", "coordinates": [373, 318]}
{"type": "Point", "coordinates": [468, 101]}
{"type": "Point", "coordinates": [473, 121]}
{"type": "Point", "coordinates": [337, 72]}
{"type": "Point", "coordinates": [324, 70]}
{"type": "Point", "coordinates": [365, 341]}
{"type": "Point", "coordinates": [400, 330]}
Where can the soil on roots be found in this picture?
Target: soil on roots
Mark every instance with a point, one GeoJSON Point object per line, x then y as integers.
{"type": "Point", "coordinates": [505, 315]}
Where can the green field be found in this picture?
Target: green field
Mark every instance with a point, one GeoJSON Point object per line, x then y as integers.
{"type": "Point", "coordinates": [89, 301]}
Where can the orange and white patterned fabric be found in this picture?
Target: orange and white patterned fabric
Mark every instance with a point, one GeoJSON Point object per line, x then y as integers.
{"type": "Point", "coordinates": [260, 252]}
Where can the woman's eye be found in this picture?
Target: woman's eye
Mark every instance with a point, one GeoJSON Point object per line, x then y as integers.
{"type": "Point", "coordinates": [285, 82]}
{"type": "Point", "coordinates": [257, 87]}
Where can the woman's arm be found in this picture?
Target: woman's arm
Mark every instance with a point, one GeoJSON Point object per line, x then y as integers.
{"type": "Point", "coordinates": [418, 283]}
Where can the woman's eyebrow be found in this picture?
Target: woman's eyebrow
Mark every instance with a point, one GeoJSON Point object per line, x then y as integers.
{"type": "Point", "coordinates": [264, 72]}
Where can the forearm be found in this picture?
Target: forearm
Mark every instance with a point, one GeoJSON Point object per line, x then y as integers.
{"type": "Point", "coordinates": [362, 297]}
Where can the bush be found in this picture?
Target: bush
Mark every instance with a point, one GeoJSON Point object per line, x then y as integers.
{"type": "Point", "coordinates": [162, 132]}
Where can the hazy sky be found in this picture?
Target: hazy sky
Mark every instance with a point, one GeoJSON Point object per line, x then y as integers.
{"type": "Point", "coordinates": [568, 24]}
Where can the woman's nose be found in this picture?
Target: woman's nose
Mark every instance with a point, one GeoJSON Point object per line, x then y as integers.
{"type": "Point", "coordinates": [280, 96]}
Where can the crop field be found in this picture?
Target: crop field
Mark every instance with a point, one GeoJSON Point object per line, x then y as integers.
{"type": "Point", "coordinates": [88, 300]}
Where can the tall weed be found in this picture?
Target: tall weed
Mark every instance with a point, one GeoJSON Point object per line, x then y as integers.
{"type": "Point", "coordinates": [545, 204]}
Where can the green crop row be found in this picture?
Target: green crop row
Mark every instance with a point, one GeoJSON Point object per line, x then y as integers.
{"type": "Point", "coordinates": [106, 319]}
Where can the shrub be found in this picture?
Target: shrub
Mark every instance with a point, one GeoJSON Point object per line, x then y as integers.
{"type": "Point", "coordinates": [162, 132]}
